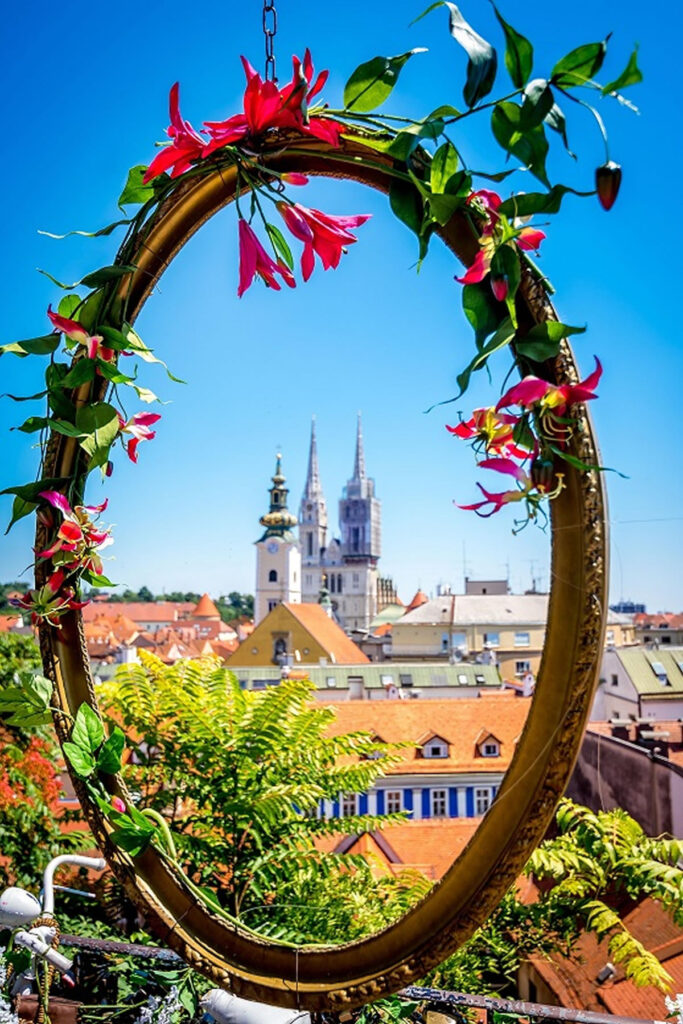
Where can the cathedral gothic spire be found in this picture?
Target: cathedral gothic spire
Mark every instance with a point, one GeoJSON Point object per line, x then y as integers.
{"type": "Point", "coordinates": [313, 491]}
{"type": "Point", "coordinates": [359, 462]}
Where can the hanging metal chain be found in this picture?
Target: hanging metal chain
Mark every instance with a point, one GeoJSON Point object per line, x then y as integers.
{"type": "Point", "coordinates": [269, 30]}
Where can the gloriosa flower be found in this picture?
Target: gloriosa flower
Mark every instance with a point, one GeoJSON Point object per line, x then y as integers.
{"type": "Point", "coordinates": [266, 106]}
{"type": "Point", "coordinates": [493, 429]}
{"type": "Point", "coordinates": [535, 393]}
{"type": "Point", "coordinates": [78, 540]}
{"type": "Point", "coordinates": [530, 490]}
{"type": "Point", "coordinates": [49, 602]}
{"type": "Point", "coordinates": [488, 204]}
{"type": "Point", "coordinates": [255, 260]}
{"type": "Point", "coordinates": [321, 233]}
{"type": "Point", "coordinates": [74, 331]}
{"type": "Point", "coordinates": [138, 427]}
{"type": "Point", "coordinates": [186, 146]}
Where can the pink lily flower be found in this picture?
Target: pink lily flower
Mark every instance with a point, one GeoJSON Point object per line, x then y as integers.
{"type": "Point", "coordinates": [255, 260]}
{"type": "Point", "coordinates": [495, 430]}
{"type": "Point", "coordinates": [529, 490]}
{"type": "Point", "coordinates": [186, 146]}
{"type": "Point", "coordinates": [138, 427]}
{"type": "Point", "coordinates": [78, 541]}
{"type": "Point", "coordinates": [321, 233]}
{"type": "Point", "coordinates": [533, 391]}
{"type": "Point", "coordinates": [526, 238]}
{"type": "Point", "coordinates": [76, 332]}
{"type": "Point", "coordinates": [49, 602]}
{"type": "Point", "coordinates": [266, 106]}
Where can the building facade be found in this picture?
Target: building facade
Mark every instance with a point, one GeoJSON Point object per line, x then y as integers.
{"type": "Point", "coordinates": [346, 566]}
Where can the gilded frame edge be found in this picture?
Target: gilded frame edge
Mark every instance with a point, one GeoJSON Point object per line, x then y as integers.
{"type": "Point", "coordinates": [340, 977]}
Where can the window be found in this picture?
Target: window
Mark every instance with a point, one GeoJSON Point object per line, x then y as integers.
{"type": "Point", "coordinates": [332, 582]}
{"type": "Point", "coordinates": [614, 679]}
{"type": "Point", "coordinates": [480, 678]}
{"type": "Point", "coordinates": [522, 639]}
{"type": "Point", "coordinates": [609, 636]}
{"type": "Point", "coordinates": [276, 499]}
{"type": "Point", "coordinates": [405, 679]}
{"type": "Point", "coordinates": [259, 684]}
{"type": "Point", "coordinates": [435, 748]}
{"type": "Point", "coordinates": [309, 581]}
{"type": "Point", "coordinates": [393, 801]}
{"type": "Point", "coordinates": [309, 544]}
{"type": "Point", "coordinates": [356, 580]}
{"type": "Point", "coordinates": [660, 672]}
{"type": "Point", "coordinates": [272, 576]}
{"type": "Point", "coordinates": [459, 640]}
{"type": "Point", "coordinates": [462, 678]}
{"type": "Point", "coordinates": [522, 667]}
{"type": "Point", "coordinates": [492, 639]}
{"type": "Point", "coordinates": [444, 641]}
{"type": "Point", "coordinates": [482, 801]}
{"type": "Point", "coordinates": [490, 749]}
{"type": "Point", "coordinates": [349, 805]}
{"type": "Point", "coordinates": [665, 639]}
{"type": "Point", "coordinates": [386, 680]}
{"type": "Point", "coordinates": [339, 583]}
{"type": "Point", "coordinates": [439, 799]}
{"type": "Point", "coordinates": [272, 604]}
{"type": "Point", "coordinates": [331, 682]}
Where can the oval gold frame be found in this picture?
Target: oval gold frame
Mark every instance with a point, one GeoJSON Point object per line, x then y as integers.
{"type": "Point", "coordinates": [340, 977]}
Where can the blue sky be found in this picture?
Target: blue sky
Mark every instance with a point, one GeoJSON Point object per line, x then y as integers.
{"type": "Point", "coordinates": [85, 97]}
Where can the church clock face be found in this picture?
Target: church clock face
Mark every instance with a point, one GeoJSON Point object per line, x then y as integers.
{"type": "Point", "coordinates": [272, 548]}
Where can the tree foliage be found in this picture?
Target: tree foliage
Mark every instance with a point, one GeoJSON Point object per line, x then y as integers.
{"type": "Point", "coordinates": [240, 775]}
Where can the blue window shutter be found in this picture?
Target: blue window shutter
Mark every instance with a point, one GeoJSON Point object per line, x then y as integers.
{"type": "Point", "coordinates": [380, 801]}
{"type": "Point", "coordinates": [452, 802]}
{"type": "Point", "coordinates": [426, 809]}
{"type": "Point", "coordinates": [335, 809]}
{"type": "Point", "coordinates": [407, 799]}
{"type": "Point", "coordinates": [469, 801]}
{"type": "Point", "coordinates": [363, 803]}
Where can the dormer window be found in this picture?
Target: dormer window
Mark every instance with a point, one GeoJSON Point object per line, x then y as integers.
{"type": "Point", "coordinates": [661, 673]}
{"type": "Point", "coordinates": [435, 747]}
{"type": "Point", "coordinates": [490, 749]}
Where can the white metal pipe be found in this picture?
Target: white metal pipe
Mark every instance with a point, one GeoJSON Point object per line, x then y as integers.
{"type": "Point", "coordinates": [96, 863]}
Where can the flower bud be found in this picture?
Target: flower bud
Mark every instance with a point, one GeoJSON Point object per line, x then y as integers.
{"type": "Point", "coordinates": [543, 474]}
{"type": "Point", "coordinates": [607, 182]}
{"type": "Point", "coordinates": [499, 286]}
{"type": "Point", "coordinates": [109, 468]}
{"type": "Point", "coordinates": [118, 804]}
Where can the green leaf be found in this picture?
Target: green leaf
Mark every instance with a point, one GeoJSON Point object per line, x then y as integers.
{"type": "Point", "coordinates": [580, 65]}
{"type": "Point", "coordinates": [522, 434]}
{"type": "Point", "coordinates": [538, 102]}
{"type": "Point", "coordinates": [137, 345]}
{"type": "Point", "coordinates": [445, 110]}
{"type": "Point", "coordinates": [406, 203]}
{"type": "Point", "coordinates": [371, 83]}
{"type": "Point", "coordinates": [82, 371]}
{"type": "Point", "coordinates": [505, 265]}
{"type": "Point", "coordinates": [68, 306]}
{"type": "Point", "coordinates": [100, 426]}
{"type": "Point", "coordinates": [96, 580]}
{"type": "Point", "coordinates": [631, 75]}
{"type": "Point", "coordinates": [109, 759]}
{"type": "Point", "coordinates": [114, 338]}
{"type": "Point", "coordinates": [543, 341]}
{"type": "Point", "coordinates": [30, 492]}
{"type": "Point", "coordinates": [88, 731]}
{"type": "Point", "coordinates": [529, 146]}
{"type": "Point", "coordinates": [583, 466]}
{"type": "Point", "coordinates": [41, 346]}
{"type": "Point", "coordinates": [88, 234]}
{"type": "Point", "coordinates": [20, 509]}
{"type": "Point", "coordinates": [134, 191]}
{"type": "Point", "coordinates": [32, 424]}
{"type": "Point", "coordinates": [556, 120]}
{"type": "Point", "coordinates": [131, 839]}
{"type": "Point", "coordinates": [519, 53]}
{"type": "Point", "coordinates": [481, 309]}
{"type": "Point", "coordinates": [458, 188]}
{"type": "Point", "coordinates": [113, 373]}
{"type": "Point", "coordinates": [97, 279]}
{"type": "Point", "coordinates": [145, 395]}
{"type": "Point", "coordinates": [64, 427]}
{"type": "Point", "coordinates": [58, 401]}
{"type": "Point", "coordinates": [408, 138]}
{"type": "Point", "coordinates": [526, 204]}
{"type": "Point", "coordinates": [482, 61]}
{"type": "Point", "coordinates": [280, 243]}
{"type": "Point", "coordinates": [82, 762]}
{"type": "Point", "coordinates": [444, 164]}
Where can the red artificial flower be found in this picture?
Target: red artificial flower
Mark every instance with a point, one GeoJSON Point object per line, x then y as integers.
{"type": "Point", "coordinates": [321, 233]}
{"type": "Point", "coordinates": [78, 541]}
{"type": "Point", "coordinates": [49, 602]}
{"type": "Point", "coordinates": [76, 332]}
{"type": "Point", "coordinates": [266, 106]}
{"type": "Point", "coordinates": [488, 204]}
{"type": "Point", "coordinates": [529, 491]}
{"type": "Point", "coordinates": [533, 391]}
{"type": "Point", "coordinates": [495, 430]}
{"type": "Point", "coordinates": [255, 260]}
{"type": "Point", "coordinates": [186, 146]}
{"type": "Point", "coordinates": [138, 427]}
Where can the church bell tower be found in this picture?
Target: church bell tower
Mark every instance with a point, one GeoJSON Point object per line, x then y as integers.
{"type": "Point", "coordinates": [278, 558]}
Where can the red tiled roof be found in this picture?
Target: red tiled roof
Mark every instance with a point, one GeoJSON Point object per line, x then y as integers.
{"type": "Point", "coordinates": [205, 609]}
{"type": "Point", "coordinates": [327, 633]}
{"type": "Point", "coordinates": [382, 630]}
{"type": "Point", "coordinates": [459, 722]}
{"type": "Point", "coordinates": [660, 620]}
{"type": "Point", "coordinates": [419, 598]}
{"type": "Point", "coordinates": [140, 611]}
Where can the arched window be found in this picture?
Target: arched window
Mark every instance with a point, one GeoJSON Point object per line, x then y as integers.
{"type": "Point", "coordinates": [339, 583]}
{"type": "Point", "coordinates": [272, 576]}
